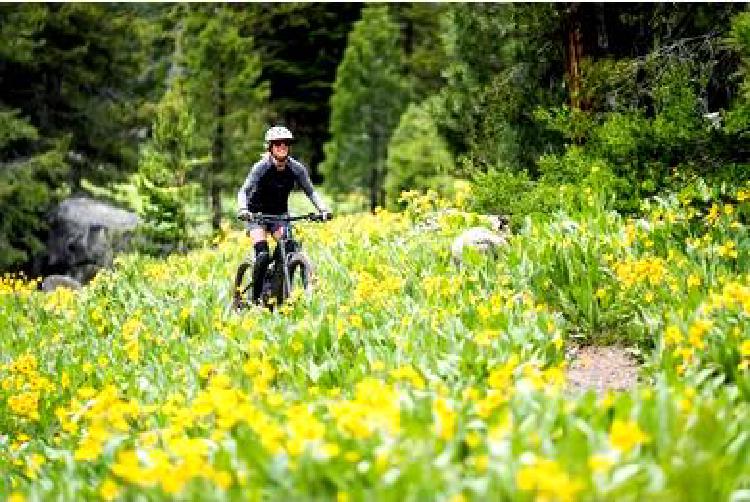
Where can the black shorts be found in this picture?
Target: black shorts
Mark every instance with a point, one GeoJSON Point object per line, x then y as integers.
{"type": "Point", "coordinates": [268, 227]}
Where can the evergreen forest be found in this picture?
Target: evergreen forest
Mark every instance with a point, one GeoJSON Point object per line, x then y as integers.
{"type": "Point", "coordinates": [161, 108]}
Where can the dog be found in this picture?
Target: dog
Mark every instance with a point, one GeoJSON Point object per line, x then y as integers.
{"type": "Point", "coordinates": [482, 239]}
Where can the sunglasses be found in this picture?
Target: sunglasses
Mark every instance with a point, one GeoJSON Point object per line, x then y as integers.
{"type": "Point", "coordinates": [279, 143]}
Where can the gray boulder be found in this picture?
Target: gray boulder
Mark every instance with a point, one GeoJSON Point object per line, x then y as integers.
{"type": "Point", "coordinates": [85, 234]}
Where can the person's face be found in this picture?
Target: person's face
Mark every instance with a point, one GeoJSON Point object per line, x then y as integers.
{"type": "Point", "coordinates": [280, 149]}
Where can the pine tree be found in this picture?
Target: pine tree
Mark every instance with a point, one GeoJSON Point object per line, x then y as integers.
{"type": "Point", "coordinates": [422, 26]}
{"type": "Point", "coordinates": [31, 173]}
{"type": "Point", "coordinates": [79, 77]}
{"type": "Point", "coordinates": [163, 170]}
{"type": "Point", "coordinates": [227, 96]}
{"type": "Point", "coordinates": [32, 167]}
{"type": "Point", "coordinates": [738, 118]}
{"type": "Point", "coordinates": [367, 101]}
{"type": "Point", "coordinates": [301, 74]}
{"type": "Point", "coordinates": [506, 60]}
{"type": "Point", "coordinates": [418, 157]}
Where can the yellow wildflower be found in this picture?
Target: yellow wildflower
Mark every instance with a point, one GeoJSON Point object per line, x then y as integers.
{"type": "Point", "coordinates": [713, 213]}
{"type": "Point", "coordinates": [109, 490]}
{"type": "Point", "coordinates": [445, 419]}
{"type": "Point", "coordinates": [672, 335]}
{"type": "Point", "coordinates": [697, 332]}
{"type": "Point", "coordinates": [473, 439]}
{"type": "Point", "coordinates": [408, 373]}
{"type": "Point", "coordinates": [728, 249]}
{"type": "Point", "coordinates": [624, 436]}
{"type": "Point", "coordinates": [548, 480]}
{"type": "Point", "coordinates": [600, 463]}
{"type": "Point", "coordinates": [693, 281]}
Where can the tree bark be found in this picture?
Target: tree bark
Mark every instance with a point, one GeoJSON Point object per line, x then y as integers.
{"type": "Point", "coordinates": [217, 152]}
{"type": "Point", "coordinates": [374, 174]}
{"type": "Point", "coordinates": [573, 55]}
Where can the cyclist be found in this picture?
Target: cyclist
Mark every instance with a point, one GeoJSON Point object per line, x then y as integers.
{"type": "Point", "coordinates": [266, 190]}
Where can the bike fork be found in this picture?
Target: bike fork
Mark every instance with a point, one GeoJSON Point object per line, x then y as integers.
{"type": "Point", "coordinates": [286, 286]}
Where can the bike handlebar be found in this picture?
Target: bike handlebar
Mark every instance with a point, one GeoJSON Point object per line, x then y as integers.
{"type": "Point", "coordinates": [275, 218]}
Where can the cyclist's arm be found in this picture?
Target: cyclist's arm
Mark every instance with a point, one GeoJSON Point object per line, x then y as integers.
{"type": "Point", "coordinates": [250, 186]}
{"type": "Point", "coordinates": [304, 182]}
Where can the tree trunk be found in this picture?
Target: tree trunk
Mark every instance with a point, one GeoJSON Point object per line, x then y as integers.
{"type": "Point", "coordinates": [573, 55]}
{"type": "Point", "coordinates": [374, 175]}
{"type": "Point", "coordinates": [217, 152]}
{"type": "Point", "coordinates": [381, 168]}
{"type": "Point", "coordinates": [216, 208]}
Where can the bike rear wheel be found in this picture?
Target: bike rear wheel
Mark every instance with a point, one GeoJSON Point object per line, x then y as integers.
{"type": "Point", "coordinates": [301, 275]}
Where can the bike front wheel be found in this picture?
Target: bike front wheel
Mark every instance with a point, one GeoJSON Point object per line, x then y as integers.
{"type": "Point", "coordinates": [301, 275]}
{"type": "Point", "coordinates": [243, 286]}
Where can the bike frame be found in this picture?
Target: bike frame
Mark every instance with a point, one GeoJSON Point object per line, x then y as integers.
{"type": "Point", "coordinates": [287, 235]}
{"type": "Point", "coordinates": [281, 243]}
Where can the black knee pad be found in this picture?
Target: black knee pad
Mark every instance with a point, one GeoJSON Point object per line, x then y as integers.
{"type": "Point", "coordinates": [262, 260]}
{"type": "Point", "coordinates": [261, 247]}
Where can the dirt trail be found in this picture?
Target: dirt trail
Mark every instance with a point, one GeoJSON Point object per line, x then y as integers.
{"type": "Point", "coordinates": [602, 369]}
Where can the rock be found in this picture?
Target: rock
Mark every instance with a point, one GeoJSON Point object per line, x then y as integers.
{"type": "Point", "coordinates": [85, 234]}
{"type": "Point", "coordinates": [482, 239]}
{"type": "Point", "coordinates": [52, 282]}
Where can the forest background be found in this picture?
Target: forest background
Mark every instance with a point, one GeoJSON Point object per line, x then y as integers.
{"type": "Point", "coordinates": [525, 108]}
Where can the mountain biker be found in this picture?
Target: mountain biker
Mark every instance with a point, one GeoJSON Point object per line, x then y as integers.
{"type": "Point", "coordinates": [266, 190]}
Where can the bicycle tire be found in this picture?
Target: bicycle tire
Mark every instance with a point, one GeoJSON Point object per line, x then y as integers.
{"type": "Point", "coordinates": [273, 287]}
{"type": "Point", "coordinates": [301, 274]}
{"type": "Point", "coordinates": [242, 290]}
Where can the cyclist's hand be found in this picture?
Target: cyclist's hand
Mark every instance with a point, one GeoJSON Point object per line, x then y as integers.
{"type": "Point", "coordinates": [244, 215]}
{"type": "Point", "coordinates": [326, 215]}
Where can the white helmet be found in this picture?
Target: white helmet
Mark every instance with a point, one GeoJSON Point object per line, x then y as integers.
{"type": "Point", "coordinates": [277, 133]}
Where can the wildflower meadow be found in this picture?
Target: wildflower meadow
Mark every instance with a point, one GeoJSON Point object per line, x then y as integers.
{"type": "Point", "coordinates": [403, 376]}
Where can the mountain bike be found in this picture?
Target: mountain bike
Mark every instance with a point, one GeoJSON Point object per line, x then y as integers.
{"type": "Point", "coordinates": [290, 269]}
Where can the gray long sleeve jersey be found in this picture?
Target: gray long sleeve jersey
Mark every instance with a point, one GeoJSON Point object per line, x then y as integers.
{"type": "Point", "coordinates": [266, 189]}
